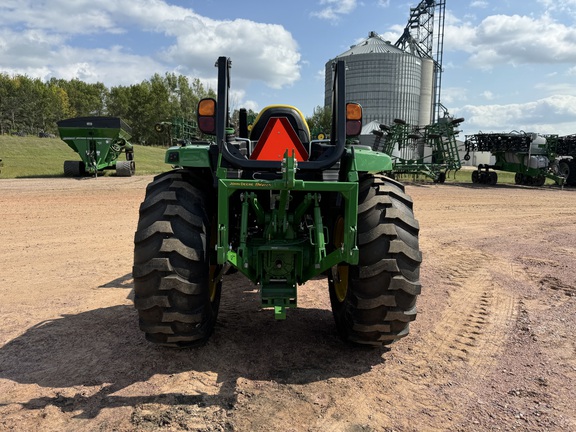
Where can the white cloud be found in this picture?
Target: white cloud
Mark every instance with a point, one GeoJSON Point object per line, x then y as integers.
{"type": "Point", "coordinates": [554, 114]}
{"type": "Point", "coordinates": [513, 39]}
{"type": "Point", "coordinates": [479, 4]}
{"type": "Point", "coordinates": [557, 88]}
{"type": "Point", "coordinates": [275, 61]}
{"type": "Point", "coordinates": [488, 95]}
{"type": "Point", "coordinates": [559, 5]}
{"type": "Point", "coordinates": [192, 42]}
{"type": "Point", "coordinates": [334, 9]}
{"type": "Point", "coordinates": [454, 95]}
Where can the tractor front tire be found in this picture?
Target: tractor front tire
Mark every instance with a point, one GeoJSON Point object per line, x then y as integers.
{"type": "Point", "coordinates": [374, 302]}
{"type": "Point", "coordinates": [176, 295]}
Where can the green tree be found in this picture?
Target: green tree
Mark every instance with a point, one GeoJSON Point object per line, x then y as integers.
{"type": "Point", "coordinates": [30, 105]}
{"type": "Point", "coordinates": [118, 102]}
{"type": "Point", "coordinates": [235, 119]}
{"type": "Point", "coordinates": [21, 104]}
{"type": "Point", "coordinates": [84, 99]}
{"type": "Point", "coordinates": [320, 122]}
{"type": "Point", "coordinates": [8, 103]}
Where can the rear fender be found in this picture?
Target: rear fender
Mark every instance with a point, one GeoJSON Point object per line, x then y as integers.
{"type": "Point", "coordinates": [194, 156]}
{"type": "Point", "coordinates": [366, 160]}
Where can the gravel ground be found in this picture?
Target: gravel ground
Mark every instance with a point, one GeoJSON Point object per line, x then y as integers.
{"type": "Point", "coordinates": [492, 348]}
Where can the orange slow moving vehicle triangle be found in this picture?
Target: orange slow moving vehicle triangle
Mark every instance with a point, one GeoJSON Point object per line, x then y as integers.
{"type": "Point", "coordinates": [278, 136]}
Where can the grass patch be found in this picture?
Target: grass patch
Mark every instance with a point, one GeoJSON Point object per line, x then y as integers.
{"type": "Point", "coordinates": [44, 157]}
{"type": "Point", "coordinates": [465, 176]}
{"type": "Point", "coordinates": [460, 176]}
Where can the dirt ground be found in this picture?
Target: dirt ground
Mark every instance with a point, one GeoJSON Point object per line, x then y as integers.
{"type": "Point", "coordinates": [493, 347]}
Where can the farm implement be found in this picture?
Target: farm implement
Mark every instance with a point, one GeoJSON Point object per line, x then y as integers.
{"type": "Point", "coordinates": [531, 156]}
{"type": "Point", "coordinates": [99, 141]}
{"type": "Point", "coordinates": [431, 150]}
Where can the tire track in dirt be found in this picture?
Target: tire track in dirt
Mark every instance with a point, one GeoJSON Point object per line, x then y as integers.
{"type": "Point", "coordinates": [434, 375]}
{"type": "Point", "coordinates": [461, 349]}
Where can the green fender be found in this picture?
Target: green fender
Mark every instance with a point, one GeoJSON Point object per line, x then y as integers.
{"type": "Point", "coordinates": [195, 155]}
{"type": "Point", "coordinates": [366, 160]}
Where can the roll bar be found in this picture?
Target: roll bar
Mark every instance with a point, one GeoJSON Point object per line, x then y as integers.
{"type": "Point", "coordinates": [337, 137]}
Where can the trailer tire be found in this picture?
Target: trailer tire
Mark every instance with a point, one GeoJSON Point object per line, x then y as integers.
{"type": "Point", "coordinates": [540, 180]}
{"type": "Point", "coordinates": [572, 176]}
{"type": "Point", "coordinates": [174, 264]}
{"type": "Point", "coordinates": [475, 177]}
{"type": "Point", "coordinates": [374, 301]}
{"type": "Point", "coordinates": [74, 169]}
{"type": "Point", "coordinates": [125, 168]}
{"type": "Point", "coordinates": [441, 178]}
{"type": "Point", "coordinates": [493, 177]}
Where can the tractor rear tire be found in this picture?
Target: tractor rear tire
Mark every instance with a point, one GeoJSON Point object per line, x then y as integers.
{"type": "Point", "coordinates": [374, 301]}
{"type": "Point", "coordinates": [174, 263]}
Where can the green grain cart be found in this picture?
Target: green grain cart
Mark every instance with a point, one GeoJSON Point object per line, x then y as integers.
{"type": "Point", "coordinates": [279, 208]}
{"type": "Point", "coordinates": [99, 141]}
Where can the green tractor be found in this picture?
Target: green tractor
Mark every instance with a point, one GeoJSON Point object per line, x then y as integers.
{"type": "Point", "coordinates": [280, 208]}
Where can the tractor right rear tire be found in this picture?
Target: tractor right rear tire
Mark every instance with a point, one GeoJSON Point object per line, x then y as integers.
{"type": "Point", "coordinates": [176, 295]}
{"type": "Point", "coordinates": [374, 301]}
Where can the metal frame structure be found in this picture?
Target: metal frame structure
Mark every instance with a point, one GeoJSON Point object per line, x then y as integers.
{"type": "Point", "coordinates": [406, 145]}
{"type": "Point", "coordinates": [424, 36]}
{"type": "Point", "coordinates": [516, 152]}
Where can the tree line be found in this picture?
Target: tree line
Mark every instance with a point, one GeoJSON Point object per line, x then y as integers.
{"type": "Point", "coordinates": [30, 106]}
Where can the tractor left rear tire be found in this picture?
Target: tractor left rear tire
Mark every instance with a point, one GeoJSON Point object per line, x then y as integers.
{"type": "Point", "coordinates": [374, 301]}
{"type": "Point", "coordinates": [175, 293]}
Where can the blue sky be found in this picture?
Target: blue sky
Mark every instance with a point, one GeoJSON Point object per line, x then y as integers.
{"type": "Point", "coordinates": [508, 64]}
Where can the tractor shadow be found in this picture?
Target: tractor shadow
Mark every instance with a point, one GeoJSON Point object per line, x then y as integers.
{"type": "Point", "coordinates": [105, 348]}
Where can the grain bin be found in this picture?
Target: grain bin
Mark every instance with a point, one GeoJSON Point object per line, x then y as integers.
{"type": "Point", "coordinates": [388, 82]}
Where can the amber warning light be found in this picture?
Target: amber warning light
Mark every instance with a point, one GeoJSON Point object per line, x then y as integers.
{"type": "Point", "coordinates": [353, 119]}
{"type": "Point", "coordinates": [207, 116]}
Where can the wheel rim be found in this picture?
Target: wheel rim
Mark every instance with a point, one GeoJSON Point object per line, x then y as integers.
{"type": "Point", "coordinates": [340, 280]}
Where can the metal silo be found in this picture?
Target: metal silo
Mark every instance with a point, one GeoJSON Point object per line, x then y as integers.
{"type": "Point", "coordinates": [387, 82]}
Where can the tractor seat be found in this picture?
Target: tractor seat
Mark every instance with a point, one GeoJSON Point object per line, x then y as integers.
{"type": "Point", "coordinates": [279, 129]}
{"type": "Point", "coordinates": [294, 116]}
